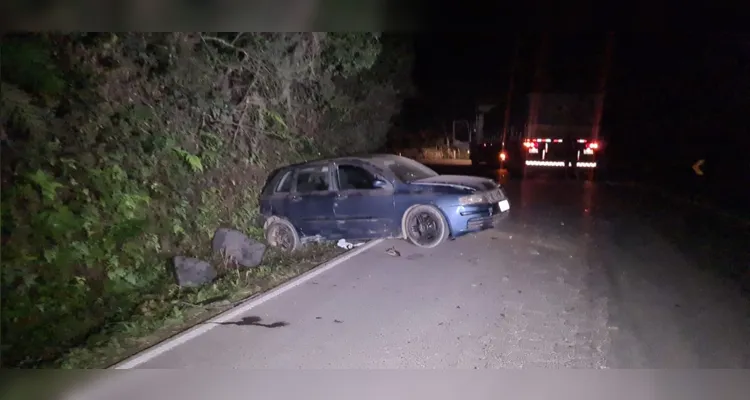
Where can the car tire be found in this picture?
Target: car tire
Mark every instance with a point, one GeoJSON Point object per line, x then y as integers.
{"type": "Point", "coordinates": [282, 235]}
{"type": "Point", "coordinates": [434, 220]}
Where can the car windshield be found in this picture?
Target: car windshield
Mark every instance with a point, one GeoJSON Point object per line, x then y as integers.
{"type": "Point", "coordinates": [407, 170]}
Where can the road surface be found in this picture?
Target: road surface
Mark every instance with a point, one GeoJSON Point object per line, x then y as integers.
{"type": "Point", "coordinates": [583, 275]}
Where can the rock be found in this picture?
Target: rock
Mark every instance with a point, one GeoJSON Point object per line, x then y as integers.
{"type": "Point", "coordinates": [239, 248]}
{"type": "Point", "coordinates": [192, 272]}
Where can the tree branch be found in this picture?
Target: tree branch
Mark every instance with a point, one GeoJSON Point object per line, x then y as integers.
{"type": "Point", "coordinates": [226, 44]}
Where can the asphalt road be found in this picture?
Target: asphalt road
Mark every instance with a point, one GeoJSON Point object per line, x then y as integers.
{"type": "Point", "coordinates": [582, 275]}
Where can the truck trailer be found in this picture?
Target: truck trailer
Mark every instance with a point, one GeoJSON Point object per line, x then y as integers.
{"type": "Point", "coordinates": [557, 130]}
{"type": "Point", "coordinates": [562, 132]}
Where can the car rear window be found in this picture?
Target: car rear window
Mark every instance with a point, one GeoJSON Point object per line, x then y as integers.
{"type": "Point", "coordinates": [285, 183]}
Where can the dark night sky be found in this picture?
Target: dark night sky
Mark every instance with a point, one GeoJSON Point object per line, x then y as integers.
{"type": "Point", "coordinates": [674, 91]}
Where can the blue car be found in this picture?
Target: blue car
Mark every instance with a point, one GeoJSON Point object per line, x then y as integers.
{"type": "Point", "coordinates": [376, 196]}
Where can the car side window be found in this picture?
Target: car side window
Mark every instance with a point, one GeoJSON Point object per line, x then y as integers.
{"type": "Point", "coordinates": [355, 178]}
{"type": "Point", "coordinates": [285, 183]}
{"type": "Point", "coordinates": [313, 179]}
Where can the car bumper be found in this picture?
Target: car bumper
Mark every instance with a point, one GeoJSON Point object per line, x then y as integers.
{"type": "Point", "coordinates": [481, 223]}
{"type": "Point", "coordinates": [463, 220]}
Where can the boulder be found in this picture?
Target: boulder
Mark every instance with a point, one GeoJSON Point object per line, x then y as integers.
{"type": "Point", "coordinates": [239, 248]}
{"type": "Point", "coordinates": [192, 272]}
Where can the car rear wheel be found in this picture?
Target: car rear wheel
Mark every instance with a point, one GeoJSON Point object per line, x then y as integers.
{"type": "Point", "coordinates": [424, 226]}
{"type": "Point", "coordinates": [282, 235]}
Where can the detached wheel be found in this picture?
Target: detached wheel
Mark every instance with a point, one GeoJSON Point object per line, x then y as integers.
{"type": "Point", "coordinates": [425, 227]}
{"type": "Point", "coordinates": [282, 235]}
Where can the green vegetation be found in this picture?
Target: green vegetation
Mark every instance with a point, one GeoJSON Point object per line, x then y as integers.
{"type": "Point", "coordinates": [120, 151]}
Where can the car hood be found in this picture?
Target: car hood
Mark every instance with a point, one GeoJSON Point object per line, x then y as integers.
{"type": "Point", "coordinates": [459, 181]}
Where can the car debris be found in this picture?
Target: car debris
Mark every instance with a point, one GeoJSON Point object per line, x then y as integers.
{"type": "Point", "coordinates": [392, 252]}
{"type": "Point", "coordinates": [346, 245]}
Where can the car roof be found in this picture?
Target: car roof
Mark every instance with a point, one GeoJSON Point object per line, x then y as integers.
{"type": "Point", "coordinates": [381, 160]}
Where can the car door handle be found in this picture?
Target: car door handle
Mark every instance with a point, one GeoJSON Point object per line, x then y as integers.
{"type": "Point", "coordinates": [295, 198]}
{"type": "Point", "coordinates": [341, 195]}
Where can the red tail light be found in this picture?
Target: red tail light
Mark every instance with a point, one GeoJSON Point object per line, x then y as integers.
{"type": "Point", "coordinates": [593, 145]}
{"type": "Point", "coordinates": [529, 144]}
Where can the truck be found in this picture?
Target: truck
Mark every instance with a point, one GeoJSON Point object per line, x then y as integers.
{"type": "Point", "coordinates": [561, 131]}
{"type": "Point", "coordinates": [470, 136]}
{"type": "Point", "coordinates": [557, 130]}
{"type": "Point", "coordinates": [486, 146]}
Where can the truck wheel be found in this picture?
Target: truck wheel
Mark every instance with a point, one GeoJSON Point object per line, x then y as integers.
{"type": "Point", "coordinates": [425, 226]}
{"type": "Point", "coordinates": [282, 235]}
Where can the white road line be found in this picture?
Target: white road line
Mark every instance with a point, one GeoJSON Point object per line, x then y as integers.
{"type": "Point", "coordinates": [238, 310]}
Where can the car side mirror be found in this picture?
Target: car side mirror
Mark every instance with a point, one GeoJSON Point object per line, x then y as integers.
{"type": "Point", "coordinates": [379, 184]}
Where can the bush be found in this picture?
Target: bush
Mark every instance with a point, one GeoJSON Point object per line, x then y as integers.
{"type": "Point", "coordinates": [122, 150]}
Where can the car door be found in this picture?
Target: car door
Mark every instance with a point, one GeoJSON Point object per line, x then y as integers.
{"type": "Point", "coordinates": [362, 209]}
{"type": "Point", "coordinates": [310, 204]}
{"type": "Point", "coordinates": [278, 200]}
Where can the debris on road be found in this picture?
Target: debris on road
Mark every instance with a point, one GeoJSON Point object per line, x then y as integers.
{"type": "Point", "coordinates": [348, 246]}
{"type": "Point", "coordinates": [393, 252]}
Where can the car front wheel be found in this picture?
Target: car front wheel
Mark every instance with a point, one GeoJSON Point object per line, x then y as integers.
{"type": "Point", "coordinates": [282, 235]}
{"type": "Point", "coordinates": [425, 226]}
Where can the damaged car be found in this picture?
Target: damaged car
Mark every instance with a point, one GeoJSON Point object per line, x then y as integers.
{"type": "Point", "coordinates": [375, 196]}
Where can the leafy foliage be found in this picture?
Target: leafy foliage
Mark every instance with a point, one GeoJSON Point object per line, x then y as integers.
{"type": "Point", "coordinates": [121, 150]}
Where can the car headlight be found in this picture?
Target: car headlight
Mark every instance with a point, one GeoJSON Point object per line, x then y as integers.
{"type": "Point", "coordinates": [471, 199]}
